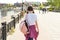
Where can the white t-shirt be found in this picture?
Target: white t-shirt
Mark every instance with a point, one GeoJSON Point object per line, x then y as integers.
{"type": "Point", "coordinates": [31, 18]}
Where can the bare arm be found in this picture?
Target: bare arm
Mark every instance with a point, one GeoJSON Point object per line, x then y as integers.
{"type": "Point", "coordinates": [37, 29]}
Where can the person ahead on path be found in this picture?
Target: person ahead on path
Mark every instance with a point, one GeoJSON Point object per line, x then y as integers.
{"type": "Point", "coordinates": [43, 10]}
{"type": "Point", "coordinates": [31, 20]}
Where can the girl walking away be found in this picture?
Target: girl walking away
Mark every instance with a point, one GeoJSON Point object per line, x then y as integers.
{"type": "Point", "coordinates": [31, 20]}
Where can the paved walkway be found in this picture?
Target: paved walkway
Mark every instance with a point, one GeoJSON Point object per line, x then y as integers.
{"type": "Point", "coordinates": [49, 27]}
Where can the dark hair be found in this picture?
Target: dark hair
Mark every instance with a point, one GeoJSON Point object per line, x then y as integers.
{"type": "Point", "coordinates": [30, 8]}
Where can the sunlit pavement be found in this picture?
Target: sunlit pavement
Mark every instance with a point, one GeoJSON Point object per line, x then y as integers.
{"type": "Point", "coordinates": [49, 27]}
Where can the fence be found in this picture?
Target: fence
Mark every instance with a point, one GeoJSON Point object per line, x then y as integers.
{"type": "Point", "coordinates": [8, 27]}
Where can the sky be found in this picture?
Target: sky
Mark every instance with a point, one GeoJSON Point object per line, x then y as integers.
{"type": "Point", "coordinates": [19, 1]}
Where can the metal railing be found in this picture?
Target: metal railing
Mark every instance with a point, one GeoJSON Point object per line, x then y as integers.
{"type": "Point", "coordinates": [8, 27]}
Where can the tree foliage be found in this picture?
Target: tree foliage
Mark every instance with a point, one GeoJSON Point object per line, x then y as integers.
{"type": "Point", "coordinates": [55, 3]}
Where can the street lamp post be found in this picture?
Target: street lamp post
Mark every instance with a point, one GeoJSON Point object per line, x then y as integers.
{"type": "Point", "coordinates": [22, 5]}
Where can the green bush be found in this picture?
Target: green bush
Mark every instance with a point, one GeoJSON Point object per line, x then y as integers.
{"type": "Point", "coordinates": [50, 9]}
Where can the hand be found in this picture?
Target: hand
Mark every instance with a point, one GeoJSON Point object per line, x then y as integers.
{"type": "Point", "coordinates": [37, 29]}
{"type": "Point", "coordinates": [27, 32]}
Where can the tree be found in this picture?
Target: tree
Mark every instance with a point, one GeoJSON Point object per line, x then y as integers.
{"type": "Point", "coordinates": [41, 6]}
{"type": "Point", "coordinates": [54, 3]}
